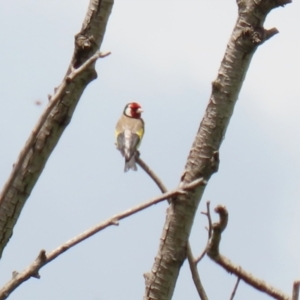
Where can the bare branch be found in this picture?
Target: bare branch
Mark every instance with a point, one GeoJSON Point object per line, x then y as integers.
{"type": "Point", "coordinates": [55, 118]}
{"type": "Point", "coordinates": [209, 231]}
{"type": "Point", "coordinates": [155, 178]}
{"type": "Point", "coordinates": [214, 254]}
{"type": "Point", "coordinates": [296, 287]}
{"type": "Point", "coordinates": [195, 274]}
{"type": "Point", "coordinates": [86, 65]}
{"type": "Point", "coordinates": [43, 258]}
{"type": "Point", "coordinates": [209, 218]}
{"type": "Point", "coordinates": [270, 33]}
{"type": "Point", "coordinates": [60, 91]}
{"type": "Point", "coordinates": [191, 260]}
{"type": "Point", "coordinates": [203, 158]}
{"type": "Point", "coordinates": [194, 184]}
{"type": "Point", "coordinates": [235, 289]}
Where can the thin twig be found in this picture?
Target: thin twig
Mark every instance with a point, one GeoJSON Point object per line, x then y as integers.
{"type": "Point", "coordinates": [209, 231]}
{"type": "Point", "coordinates": [209, 219]}
{"type": "Point", "coordinates": [235, 289]}
{"type": "Point", "coordinates": [195, 274]}
{"type": "Point", "coordinates": [33, 269]}
{"type": "Point", "coordinates": [214, 254]}
{"type": "Point", "coordinates": [296, 287]}
{"type": "Point", "coordinates": [154, 177]}
{"type": "Point", "coordinates": [86, 64]}
{"type": "Point", "coordinates": [191, 260]}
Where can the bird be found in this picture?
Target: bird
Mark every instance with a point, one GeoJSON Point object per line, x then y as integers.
{"type": "Point", "coordinates": [129, 132]}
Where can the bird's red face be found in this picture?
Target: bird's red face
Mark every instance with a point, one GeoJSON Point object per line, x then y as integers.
{"type": "Point", "coordinates": [133, 110]}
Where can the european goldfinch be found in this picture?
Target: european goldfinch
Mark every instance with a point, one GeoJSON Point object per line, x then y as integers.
{"type": "Point", "coordinates": [129, 133]}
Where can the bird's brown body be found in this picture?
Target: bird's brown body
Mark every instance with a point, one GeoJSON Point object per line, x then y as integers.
{"type": "Point", "coordinates": [129, 133]}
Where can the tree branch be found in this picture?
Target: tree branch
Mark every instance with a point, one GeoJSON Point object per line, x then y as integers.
{"type": "Point", "coordinates": [235, 289]}
{"type": "Point", "coordinates": [154, 177]}
{"type": "Point", "coordinates": [195, 274]}
{"type": "Point", "coordinates": [53, 102]}
{"type": "Point", "coordinates": [55, 118]}
{"type": "Point", "coordinates": [296, 287]}
{"type": "Point", "coordinates": [85, 65]}
{"type": "Point", "coordinates": [192, 262]}
{"type": "Point", "coordinates": [209, 231]}
{"type": "Point", "coordinates": [203, 158]}
{"type": "Point", "coordinates": [213, 253]}
{"type": "Point", "coordinates": [33, 269]}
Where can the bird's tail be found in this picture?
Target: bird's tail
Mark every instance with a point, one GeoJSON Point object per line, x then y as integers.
{"type": "Point", "coordinates": [130, 164]}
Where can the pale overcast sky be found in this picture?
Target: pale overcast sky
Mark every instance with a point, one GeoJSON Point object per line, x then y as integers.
{"type": "Point", "coordinates": [165, 54]}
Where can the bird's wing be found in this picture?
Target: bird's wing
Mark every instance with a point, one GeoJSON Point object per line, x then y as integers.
{"type": "Point", "coordinates": [129, 133]}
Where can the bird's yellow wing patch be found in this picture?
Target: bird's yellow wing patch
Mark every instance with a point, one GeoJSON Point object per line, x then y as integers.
{"type": "Point", "coordinates": [140, 133]}
{"type": "Point", "coordinates": [116, 136]}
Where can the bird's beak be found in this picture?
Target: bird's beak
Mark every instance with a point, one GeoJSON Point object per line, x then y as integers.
{"type": "Point", "coordinates": [139, 110]}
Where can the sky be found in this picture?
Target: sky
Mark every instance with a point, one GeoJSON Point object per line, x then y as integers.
{"type": "Point", "coordinates": [165, 54]}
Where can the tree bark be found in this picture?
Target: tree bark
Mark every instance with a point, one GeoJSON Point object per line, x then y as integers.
{"type": "Point", "coordinates": [247, 35]}
{"type": "Point", "coordinates": [54, 120]}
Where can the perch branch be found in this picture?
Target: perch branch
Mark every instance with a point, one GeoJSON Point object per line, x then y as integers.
{"type": "Point", "coordinates": [213, 253]}
{"type": "Point", "coordinates": [154, 177]}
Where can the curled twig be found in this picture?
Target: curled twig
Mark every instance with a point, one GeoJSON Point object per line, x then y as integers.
{"type": "Point", "coordinates": [214, 254]}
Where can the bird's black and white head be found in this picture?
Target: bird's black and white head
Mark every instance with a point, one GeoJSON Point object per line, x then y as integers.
{"type": "Point", "coordinates": [133, 110]}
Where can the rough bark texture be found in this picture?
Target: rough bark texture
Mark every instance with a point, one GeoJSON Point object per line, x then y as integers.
{"type": "Point", "coordinates": [50, 127]}
{"type": "Point", "coordinates": [202, 161]}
